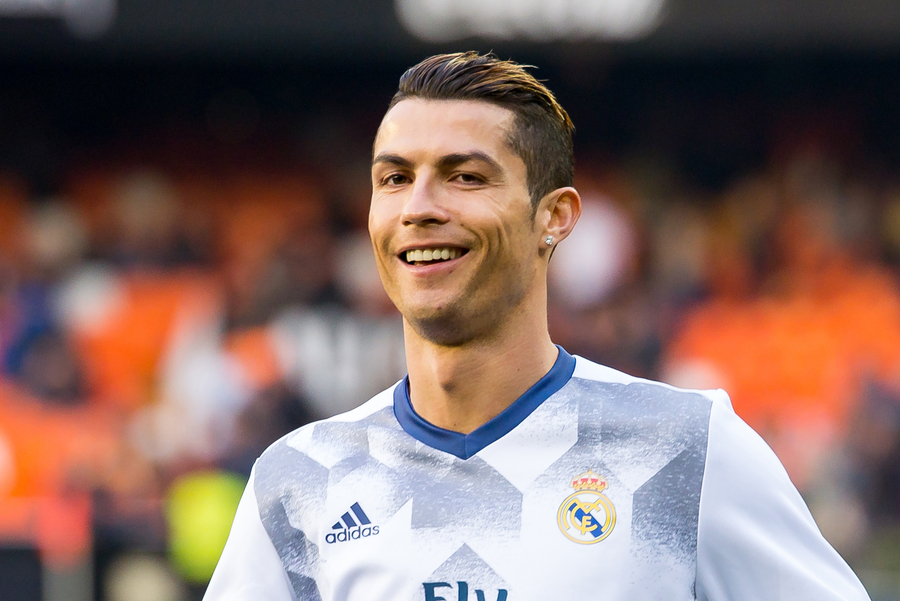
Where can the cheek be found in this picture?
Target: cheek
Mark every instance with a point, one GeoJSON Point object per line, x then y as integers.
{"type": "Point", "coordinates": [516, 236]}
{"type": "Point", "coordinates": [379, 231]}
{"type": "Point", "coordinates": [502, 228]}
{"type": "Point", "coordinates": [380, 253]}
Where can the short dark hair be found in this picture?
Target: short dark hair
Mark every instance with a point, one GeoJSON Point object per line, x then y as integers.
{"type": "Point", "coordinates": [542, 130]}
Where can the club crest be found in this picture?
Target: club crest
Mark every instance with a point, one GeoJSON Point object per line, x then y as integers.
{"type": "Point", "coordinates": [587, 516]}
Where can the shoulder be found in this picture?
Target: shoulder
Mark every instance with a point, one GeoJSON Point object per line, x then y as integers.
{"type": "Point", "coordinates": [752, 516]}
{"type": "Point", "coordinates": [300, 462]}
{"type": "Point", "coordinates": [318, 435]}
{"type": "Point", "coordinates": [667, 425]}
{"type": "Point", "coordinates": [622, 386]}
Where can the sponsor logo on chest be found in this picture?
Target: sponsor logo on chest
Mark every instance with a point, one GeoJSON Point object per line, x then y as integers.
{"type": "Point", "coordinates": [434, 591]}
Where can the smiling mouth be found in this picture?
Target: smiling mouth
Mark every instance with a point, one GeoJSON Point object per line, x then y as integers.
{"type": "Point", "coordinates": [428, 256]}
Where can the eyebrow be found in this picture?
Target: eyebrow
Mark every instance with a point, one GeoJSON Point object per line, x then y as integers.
{"type": "Point", "coordinates": [445, 162]}
{"type": "Point", "coordinates": [394, 159]}
{"type": "Point", "coordinates": [454, 160]}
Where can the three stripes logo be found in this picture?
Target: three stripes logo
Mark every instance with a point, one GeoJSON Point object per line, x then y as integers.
{"type": "Point", "coordinates": [353, 525]}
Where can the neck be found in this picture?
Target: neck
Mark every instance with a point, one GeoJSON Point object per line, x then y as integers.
{"type": "Point", "coordinates": [462, 387]}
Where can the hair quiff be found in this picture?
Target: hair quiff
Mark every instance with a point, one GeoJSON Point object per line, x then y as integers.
{"type": "Point", "coordinates": [542, 130]}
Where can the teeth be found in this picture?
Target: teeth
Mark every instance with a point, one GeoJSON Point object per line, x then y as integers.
{"type": "Point", "coordinates": [432, 254]}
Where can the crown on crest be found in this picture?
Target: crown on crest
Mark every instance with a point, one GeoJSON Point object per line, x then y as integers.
{"type": "Point", "coordinates": [589, 481]}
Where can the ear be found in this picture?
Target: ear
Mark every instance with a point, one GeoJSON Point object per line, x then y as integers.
{"type": "Point", "coordinates": [557, 214]}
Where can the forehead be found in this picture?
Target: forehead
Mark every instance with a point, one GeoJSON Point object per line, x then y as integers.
{"type": "Point", "coordinates": [444, 126]}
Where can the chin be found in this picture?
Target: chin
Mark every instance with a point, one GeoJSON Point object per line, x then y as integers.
{"type": "Point", "coordinates": [444, 329]}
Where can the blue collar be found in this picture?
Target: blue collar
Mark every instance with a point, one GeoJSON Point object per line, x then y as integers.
{"type": "Point", "coordinates": [467, 445]}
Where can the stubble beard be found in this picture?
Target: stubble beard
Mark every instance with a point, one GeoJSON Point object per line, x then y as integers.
{"type": "Point", "coordinates": [476, 317]}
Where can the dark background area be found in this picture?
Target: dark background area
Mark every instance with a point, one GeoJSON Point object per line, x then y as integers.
{"type": "Point", "coordinates": [712, 118]}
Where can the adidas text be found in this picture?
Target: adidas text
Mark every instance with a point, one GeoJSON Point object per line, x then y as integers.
{"type": "Point", "coordinates": [351, 534]}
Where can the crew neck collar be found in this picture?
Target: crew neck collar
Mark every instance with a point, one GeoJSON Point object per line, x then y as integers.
{"type": "Point", "coordinates": [465, 446]}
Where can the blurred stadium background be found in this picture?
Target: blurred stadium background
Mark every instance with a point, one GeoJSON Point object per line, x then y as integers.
{"type": "Point", "coordinates": [185, 274]}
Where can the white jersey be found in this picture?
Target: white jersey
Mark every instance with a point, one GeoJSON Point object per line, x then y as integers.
{"type": "Point", "coordinates": [592, 485]}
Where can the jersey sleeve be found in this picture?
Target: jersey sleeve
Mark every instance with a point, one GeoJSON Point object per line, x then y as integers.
{"type": "Point", "coordinates": [249, 568]}
{"type": "Point", "coordinates": [756, 539]}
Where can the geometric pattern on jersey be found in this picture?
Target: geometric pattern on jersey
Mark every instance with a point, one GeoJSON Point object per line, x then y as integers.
{"type": "Point", "coordinates": [479, 575]}
{"type": "Point", "coordinates": [490, 521]}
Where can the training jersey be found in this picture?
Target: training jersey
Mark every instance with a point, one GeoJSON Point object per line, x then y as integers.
{"type": "Point", "coordinates": [591, 485]}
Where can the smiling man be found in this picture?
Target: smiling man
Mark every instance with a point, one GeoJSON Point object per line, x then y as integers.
{"type": "Point", "coordinates": [502, 468]}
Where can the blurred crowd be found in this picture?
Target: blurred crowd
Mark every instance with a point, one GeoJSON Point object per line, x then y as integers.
{"type": "Point", "coordinates": [156, 335]}
{"type": "Point", "coordinates": [160, 327]}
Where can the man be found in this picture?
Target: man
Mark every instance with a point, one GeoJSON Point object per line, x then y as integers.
{"type": "Point", "coordinates": [502, 468]}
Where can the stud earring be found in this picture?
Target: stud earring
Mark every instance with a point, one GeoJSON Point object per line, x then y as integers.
{"type": "Point", "coordinates": [548, 240]}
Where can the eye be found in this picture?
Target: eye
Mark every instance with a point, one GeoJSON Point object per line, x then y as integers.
{"type": "Point", "coordinates": [468, 178]}
{"type": "Point", "coordinates": [395, 179]}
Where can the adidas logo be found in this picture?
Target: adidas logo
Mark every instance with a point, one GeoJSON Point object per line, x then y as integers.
{"type": "Point", "coordinates": [349, 528]}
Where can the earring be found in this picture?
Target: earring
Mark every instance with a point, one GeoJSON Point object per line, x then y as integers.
{"type": "Point", "coordinates": [548, 240]}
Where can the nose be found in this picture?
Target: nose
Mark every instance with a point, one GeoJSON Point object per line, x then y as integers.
{"type": "Point", "coordinates": [423, 206]}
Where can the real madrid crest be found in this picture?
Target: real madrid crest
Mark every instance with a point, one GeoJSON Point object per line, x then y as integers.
{"type": "Point", "coordinates": [587, 516]}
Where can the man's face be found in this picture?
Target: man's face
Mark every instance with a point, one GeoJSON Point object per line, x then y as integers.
{"type": "Point", "coordinates": [451, 219]}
